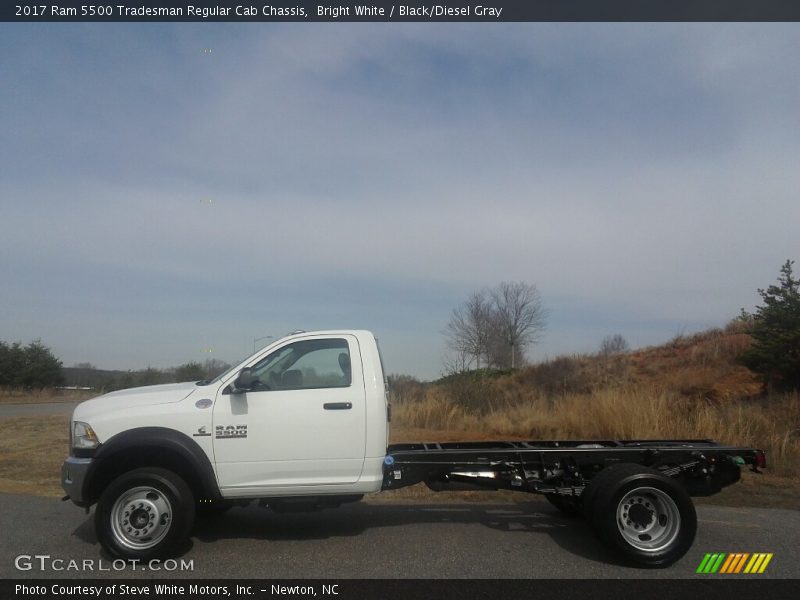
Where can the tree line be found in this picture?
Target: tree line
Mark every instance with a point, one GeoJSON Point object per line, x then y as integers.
{"type": "Point", "coordinates": [86, 374]}
{"type": "Point", "coordinates": [34, 366]}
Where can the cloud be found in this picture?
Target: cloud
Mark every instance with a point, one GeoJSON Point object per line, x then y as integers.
{"type": "Point", "coordinates": [372, 176]}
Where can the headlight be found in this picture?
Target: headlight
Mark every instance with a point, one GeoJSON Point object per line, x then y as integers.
{"type": "Point", "coordinates": [83, 436]}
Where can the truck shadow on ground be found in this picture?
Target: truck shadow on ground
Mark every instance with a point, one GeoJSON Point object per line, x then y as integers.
{"type": "Point", "coordinates": [255, 523]}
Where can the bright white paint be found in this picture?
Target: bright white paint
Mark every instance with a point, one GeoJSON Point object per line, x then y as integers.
{"type": "Point", "coordinates": [293, 445]}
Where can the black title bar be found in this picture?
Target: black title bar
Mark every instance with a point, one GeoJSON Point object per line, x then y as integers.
{"type": "Point", "coordinates": [382, 10]}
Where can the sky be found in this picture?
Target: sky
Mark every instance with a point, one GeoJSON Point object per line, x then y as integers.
{"type": "Point", "coordinates": [171, 192]}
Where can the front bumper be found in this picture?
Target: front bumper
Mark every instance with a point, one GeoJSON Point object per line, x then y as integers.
{"type": "Point", "coordinates": [73, 478]}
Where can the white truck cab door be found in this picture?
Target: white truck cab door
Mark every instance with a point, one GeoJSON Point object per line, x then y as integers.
{"type": "Point", "coordinates": [303, 422]}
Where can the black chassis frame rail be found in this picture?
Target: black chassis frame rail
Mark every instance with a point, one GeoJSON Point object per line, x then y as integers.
{"type": "Point", "coordinates": [561, 467]}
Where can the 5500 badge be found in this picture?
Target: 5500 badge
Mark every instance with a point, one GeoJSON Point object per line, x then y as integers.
{"type": "Point", "coordinates": [230, 431]}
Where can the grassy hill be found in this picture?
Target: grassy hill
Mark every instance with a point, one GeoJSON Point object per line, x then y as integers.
{"type": "Point", "coordinates": [690, 387]}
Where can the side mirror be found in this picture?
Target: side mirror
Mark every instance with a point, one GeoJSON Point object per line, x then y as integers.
{"type": "Point", "coordinates": [244, 381]}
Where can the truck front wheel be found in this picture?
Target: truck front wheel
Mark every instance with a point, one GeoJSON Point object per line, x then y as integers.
{"type": "Point", "coordinates": [646, 516]}
{"type": "Point", "coordinates": [144, 514]}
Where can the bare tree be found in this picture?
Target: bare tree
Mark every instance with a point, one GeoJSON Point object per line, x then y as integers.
{"type": "Point", "coordinates": [469, 329]}
{"type": "Point", "coordinates": [613, 344]}
{"type": "Point", "coordinates": [498, 352]}
{"type": "Point", "coordinates": [455, 363]}
{"type": "Point", "coordinates": [495, 326]}
{"type": "Point", "coordinates": [520, 316]}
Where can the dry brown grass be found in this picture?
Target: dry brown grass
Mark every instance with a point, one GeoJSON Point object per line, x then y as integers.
{"type": "Point", "coordinates": [771, 423]}
{"type": "Point", "coordinates": [21, 396]}
{"type": "Point", "coordinates": [701, 366]}
{"type": "Point", "coordinates": [31, 452]}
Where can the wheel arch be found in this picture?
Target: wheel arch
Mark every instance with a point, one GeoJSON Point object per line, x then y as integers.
{"type": "Point", "coordinates": [152, 447]}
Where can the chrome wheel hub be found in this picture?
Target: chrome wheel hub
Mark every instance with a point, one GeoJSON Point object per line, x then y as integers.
{"type": "Point", "coordinates": [648, 519]}
{"type": "Point", "coordinates": [141, 517]}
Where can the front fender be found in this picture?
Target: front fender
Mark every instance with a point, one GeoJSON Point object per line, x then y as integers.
{"type": "Point", "coordinates": [151, 446]}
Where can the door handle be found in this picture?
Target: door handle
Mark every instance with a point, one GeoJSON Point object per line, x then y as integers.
{"type": "Point", "coordinates": [337, 405]}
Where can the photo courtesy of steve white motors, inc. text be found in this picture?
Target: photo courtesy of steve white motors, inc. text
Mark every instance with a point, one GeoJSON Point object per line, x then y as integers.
{"type": "Point", "coordinates": [169, 589]}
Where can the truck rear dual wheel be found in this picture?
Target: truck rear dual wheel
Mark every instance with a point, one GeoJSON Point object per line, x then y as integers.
{"type": "Point", "coordinates": [144, 514]}
{"type": "Point", "coordinates": [646, 516]}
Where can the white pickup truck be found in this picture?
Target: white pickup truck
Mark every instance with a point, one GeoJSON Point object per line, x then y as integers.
{"type": "Point", "coordinates": [304, 424]}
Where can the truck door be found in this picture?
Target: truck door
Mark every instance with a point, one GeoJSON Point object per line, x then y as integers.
{"type": "Point", "coordinates": [302, 423]}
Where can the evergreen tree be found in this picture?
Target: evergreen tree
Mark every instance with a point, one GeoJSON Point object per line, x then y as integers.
{"type": "Point", "coordinates": [31, 366]}
{"type": "Point", "coordinates": [41, 367]}
{"type": "Point", "coordinates": [775, 328]}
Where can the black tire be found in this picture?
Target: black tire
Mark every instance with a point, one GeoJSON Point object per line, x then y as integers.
{"type": "Point", "coordinates": [144, 514]}
{"type": "Point", "coordinates": [598, 481]}
{"type": "Point", "coordinates": [644, 515]}
{"type": "Point", "coordinates": [570, 506]}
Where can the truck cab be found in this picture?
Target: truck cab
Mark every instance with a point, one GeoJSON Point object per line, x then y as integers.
{"type": "Point", "coordinates": [310, 411]}
{"type": "Point", "coordinates": [305, 417]}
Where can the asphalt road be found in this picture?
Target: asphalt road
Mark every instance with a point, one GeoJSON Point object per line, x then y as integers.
{"type": "Point", "coordinates": [37, 409]}
{"type": "Point", "coordinates": [380, 539]}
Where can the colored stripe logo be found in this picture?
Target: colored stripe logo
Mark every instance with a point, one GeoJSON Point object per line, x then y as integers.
{"type": "Point", "coordinates": [734, 563]}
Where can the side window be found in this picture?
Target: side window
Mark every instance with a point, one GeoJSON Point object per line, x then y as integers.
{"type": "Point", "coordinates": [305, 365]}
